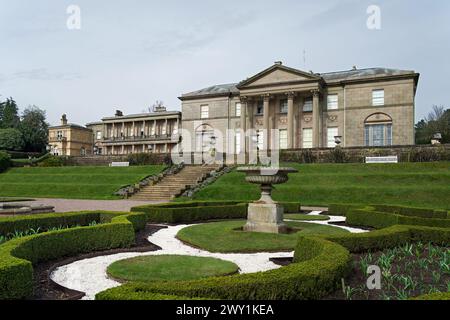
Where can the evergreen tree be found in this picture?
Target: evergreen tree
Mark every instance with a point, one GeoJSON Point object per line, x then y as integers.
{"type": "Point", "coordinates": [9, 114]}
{"type": "Point", "coordinates": [34, 129]}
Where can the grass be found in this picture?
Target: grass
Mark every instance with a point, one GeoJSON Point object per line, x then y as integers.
{"type": "Point", "coordinates": [71, 182]}
{"type": "Point", "coordinates": [169, 268]}
{"type": "Point", "coordinates": [224, 237]}
{"type": "Point", "coordinates": [413, 184]}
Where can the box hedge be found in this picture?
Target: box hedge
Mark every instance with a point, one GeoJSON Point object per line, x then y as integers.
{"type": "Point", "coordinates": [17, 256]}
{"type": "Point", "coordinates": [70, 219]}
{"type": "Point", "coordinates": [391, 237]}
{"type": "Point", "coordinates": [311, 277]}
{"type": "Point", "coordinates": [377, 219]}
{"type": "Point", "coordinates": [188, 212]}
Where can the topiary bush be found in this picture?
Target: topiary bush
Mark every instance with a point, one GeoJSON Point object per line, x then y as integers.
{"type": "Point", "coordinates": [5, 161]}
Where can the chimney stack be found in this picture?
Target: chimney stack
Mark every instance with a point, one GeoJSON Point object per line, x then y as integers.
{"type": "Point", "coordinates": [63, 120]}
{"type": "Point", "coordinates": [278, 63]}
{"type": "Point", "coordinates": [118, 113]}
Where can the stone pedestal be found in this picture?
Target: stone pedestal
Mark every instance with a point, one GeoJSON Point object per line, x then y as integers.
{"type": "Point", "coordinates": [265, 217]}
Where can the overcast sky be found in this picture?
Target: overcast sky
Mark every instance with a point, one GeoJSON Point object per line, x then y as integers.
{"type": "Point", "coordinates": [128, 54]}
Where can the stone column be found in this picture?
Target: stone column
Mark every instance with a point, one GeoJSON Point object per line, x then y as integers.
{"type": "Point", "coordinates": [166, 127]}
{"type": "Point", "coordinates": [243, 124]}
{"type": "Point", "coordinates": [266, 125]}
{"type": "Point", "coordinates": [290, 121]}
{"type": "Point", "coordinates": [316, 120]}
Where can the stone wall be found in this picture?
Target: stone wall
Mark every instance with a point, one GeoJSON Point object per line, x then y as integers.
{"type": "Point", "coordinates": [424, 153]}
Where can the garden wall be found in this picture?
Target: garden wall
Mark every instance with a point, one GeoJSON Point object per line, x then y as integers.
{"type": "Point", "coordinates": [418, 153]}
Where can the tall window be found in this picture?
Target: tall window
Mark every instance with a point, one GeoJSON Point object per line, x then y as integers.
{"type": "Point", "coordinates": [331, 133]}
{"type": "Point", "coordinates": [204, 112]}
{"type": "Point", "coordinates": [378, 135]}
{"type": "Point", "coordinates": [164, 129]}
{"type": "Point", "coordinates": [378, 97]}
{"type": "Point", "coordinates": [59, 135]}
{"type": "Point", "coordinates": [237, 143]}
{"type": "Point", "coordinates": [283, 139]}
{"type": "Point", "coordinates": [332, 102]}
{"type": "Point", "coordinates": [308, 105]}
{"type": "Point", "coordinates": [99, 135]}
{"type": "Point", "coordinates": [283, 106]}
{"type": "Point", "coordinates": [238, 109]}
{"type": "Point", "coordinates": [175, 129]}
{"type": "Point", "coordinates": [307, 138]}
{"type": "Point", "coordinates": [260, 108]}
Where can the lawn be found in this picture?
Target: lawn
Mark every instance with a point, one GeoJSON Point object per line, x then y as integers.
{"type": "Point", "coordinates": [71, 182]}
{"type": "Point", "coordinates": [413, 184]}
{"type": "Point", "coordinates": [225, 237]}
{"type": "Point", "coordinates": [169, 268]}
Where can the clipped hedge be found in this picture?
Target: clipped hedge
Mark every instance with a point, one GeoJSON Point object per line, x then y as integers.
{"type": "Point", "coordinates": [434, 296]}
{"type": "Point", "coordinates": [391, 237]}
{"type": "Point", "coordinates": [188, 212]}
{"type": "Point", "coordinates": [70, 219]}
{"type": "Point", "coordinates": [17, 256]}
{"type": "Point", "coordinates": [376, 219]}
{"type": "Point", "coordinates": [311, 277]}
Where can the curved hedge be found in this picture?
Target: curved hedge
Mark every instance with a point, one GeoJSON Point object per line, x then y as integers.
{"type": "Point", "coordinates": [318, 268]}
{"type": "Point", "coordinates": [188, 212]}
{"type": "Point", "coordinates": [382, 216]}
{"type": "Point", "coordinates": [17, 256]}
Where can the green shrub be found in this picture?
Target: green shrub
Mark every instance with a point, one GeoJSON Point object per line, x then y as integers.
{"type": "Point", "coordinates": [187, 212]}
{"type": "Point", "coordinates": [391, 237]}
{"type": "Point", "coordinates": [52, 161]}
{"type": "Point", "coordinates": [341, 209]}
{"type": "Point", "coordinates": [376, 219]}
{"type": "Point", "coordinates": [5, 161]}
{"type": "Point", "coordinates": [308, 279]}
{"type": "Point", "coordinates": [141, 159]}
{"type": "Point", "coordinates": [18, 255]}
{"type": "Point", "coordinates": [192, 214]}
{"type": "Point", "coordinates": [412, 211]}
{"type": "Point", "coordinates": [337, 155]}
{"type": "Point", "coordinates": [46, 221]}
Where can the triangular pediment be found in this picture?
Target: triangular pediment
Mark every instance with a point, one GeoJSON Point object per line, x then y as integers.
{"type": "Point", "coordinates": [278, 74]}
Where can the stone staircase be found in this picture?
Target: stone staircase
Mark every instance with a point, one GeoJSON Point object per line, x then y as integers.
{"type": "Point", "coordinates": [171, 186]}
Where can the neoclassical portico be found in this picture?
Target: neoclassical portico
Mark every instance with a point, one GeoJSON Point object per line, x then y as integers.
{"type": "Point", "coordinates": [282, 93]}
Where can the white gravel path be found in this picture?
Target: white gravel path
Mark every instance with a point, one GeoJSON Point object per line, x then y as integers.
{"type": "Point", "coordinates": [89, 275]}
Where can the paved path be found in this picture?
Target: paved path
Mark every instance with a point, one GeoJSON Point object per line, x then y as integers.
{"type": "Point", "coordinates": [68, 205]}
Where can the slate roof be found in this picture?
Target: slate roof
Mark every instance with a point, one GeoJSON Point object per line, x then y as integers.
{"type": "Point", "coordinates": [231, 88]}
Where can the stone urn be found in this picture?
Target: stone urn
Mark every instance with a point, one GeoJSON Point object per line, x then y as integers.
{"type": "Point", "coordinates": [265, 215]}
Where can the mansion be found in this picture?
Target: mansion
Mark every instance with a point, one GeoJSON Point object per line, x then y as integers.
{"type": "Point", "coordinates": [360, 107]}
{"type": "Point", "coordinates": [356, 108]}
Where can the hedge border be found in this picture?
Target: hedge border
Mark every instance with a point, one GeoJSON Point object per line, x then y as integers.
{"type": "Point", "coordinates": [18, 256]}
{"type": "Point", "coordinates": [196, 211]}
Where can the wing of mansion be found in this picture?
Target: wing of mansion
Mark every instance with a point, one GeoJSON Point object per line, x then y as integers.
{"type": "Point", "coordinates": [361, 107]}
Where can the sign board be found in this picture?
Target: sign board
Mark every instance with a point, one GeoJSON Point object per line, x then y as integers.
{"type": "Point", "coordinates": [390, 159]}
{"type": "Point", "coordinates": [119, 164]}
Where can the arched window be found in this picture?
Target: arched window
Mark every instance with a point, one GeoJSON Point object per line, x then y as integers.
{"type": "Point", "coordinates": [378, 130]}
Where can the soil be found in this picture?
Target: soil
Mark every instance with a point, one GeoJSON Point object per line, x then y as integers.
{"type": "Point", "coordinates": [357, 280]}
{"type": "Point", "coordinates": [47, 289]}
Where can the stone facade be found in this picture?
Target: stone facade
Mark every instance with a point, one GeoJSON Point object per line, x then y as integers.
{"type": "Point", "coordinates": [156, 132]}
{"type": "Point", "coordinates": [70, 139]}
{"type": "Point", "coordinates": [368, 107]}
